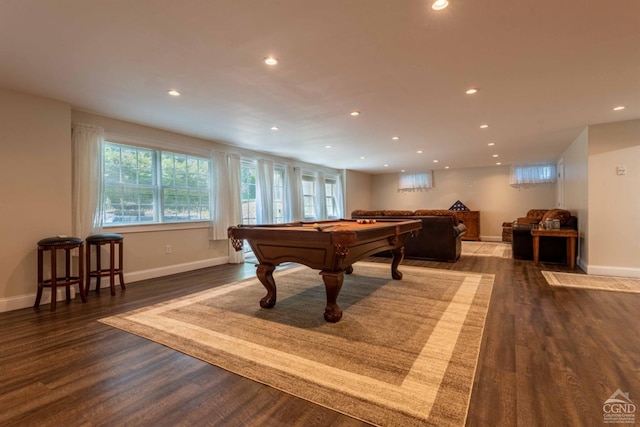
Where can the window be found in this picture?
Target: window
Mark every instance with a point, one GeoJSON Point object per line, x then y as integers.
{"type": "Point", "coordinates": [331, 193]}
{"type": "Point", "coordinates": [248, 192]}
{"type": "Point", "coordinates": [146, 186]}
{"type": "Point", "coordinates": [278, 195]}
{"type": "Point", "coordinates": [533, 174]}
{"type": "Point", "coordinates": [309, 196]}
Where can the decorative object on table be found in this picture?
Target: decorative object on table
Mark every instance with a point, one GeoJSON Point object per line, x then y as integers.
{"type": "Point", "coordinates": [458, 206]}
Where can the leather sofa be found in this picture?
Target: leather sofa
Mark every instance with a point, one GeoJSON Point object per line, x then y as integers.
{"type": "Point", "coordinates": [440, 238]}
{"type": "Point", "coordinates": [552, 249]}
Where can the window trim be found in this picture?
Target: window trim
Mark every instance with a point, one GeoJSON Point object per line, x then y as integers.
{"type": "Point", "coordinates": [158, 223]}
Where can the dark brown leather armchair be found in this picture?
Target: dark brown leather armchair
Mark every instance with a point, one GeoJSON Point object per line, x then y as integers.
{"type": "Point", "coordinates": [552, 249]}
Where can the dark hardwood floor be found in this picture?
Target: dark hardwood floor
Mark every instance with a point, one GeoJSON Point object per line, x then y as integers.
{"type": "Point", "coordinates": [549, 357]}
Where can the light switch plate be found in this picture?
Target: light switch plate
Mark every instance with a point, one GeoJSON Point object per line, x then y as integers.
{"type": "Point", "coordinates": [621, 170]}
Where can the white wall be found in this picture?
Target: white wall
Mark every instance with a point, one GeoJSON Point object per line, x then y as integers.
{"type": "Point", "coordinates": [576, 188]}
{"type": "Point", "coordinates": [614, 200]}
{"type": "Point", "coordinates": [483, 189]}
{"type": "Point", "coordinates": [35, 184]}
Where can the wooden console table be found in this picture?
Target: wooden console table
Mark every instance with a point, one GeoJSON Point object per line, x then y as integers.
{"type": "Point", "coordinates": [568, 234]}
{"type": "Point", "coordinates": [471, 220]}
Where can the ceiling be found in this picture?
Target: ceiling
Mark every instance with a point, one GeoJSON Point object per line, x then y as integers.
{"type": "Point", "coordinates": [544, 70]}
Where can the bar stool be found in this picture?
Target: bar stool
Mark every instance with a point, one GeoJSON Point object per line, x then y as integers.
{"type": "Point", "coordinates": [98, 240]}
{"type": "Point", "coordinates": [52, 245]}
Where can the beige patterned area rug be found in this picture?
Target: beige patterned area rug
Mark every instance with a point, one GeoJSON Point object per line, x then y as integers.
{"type": "Point", "coordinates": [494, 249]}
{"type": "Point", "coordinates": [404, 353]}
{"type": "Point", "coordinates": [590, 281]}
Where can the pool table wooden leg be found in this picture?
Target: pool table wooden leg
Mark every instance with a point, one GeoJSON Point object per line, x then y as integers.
{"type": "Point", "coordinates": [398, 255]}
{"type": "Point", "coordinates": [332, 283]}
{"type": "Point", "coordinates": [265, 275]}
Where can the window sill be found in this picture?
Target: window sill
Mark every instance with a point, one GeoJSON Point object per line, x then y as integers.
{"type": "Point", "coordinates": [149, 228]}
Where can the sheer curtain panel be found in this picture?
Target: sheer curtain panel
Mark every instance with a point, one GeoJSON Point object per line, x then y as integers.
{"type": "Point", "coordinates": [235, 203]}
{"type": "Point", "coordinates": [293, 193]}
{"type": "Point", "coordinates": [415, 181]}
{"type": "Point", "coordinates": [87, 190]}
{"type": "Point", "coordinates": [264, 196]}
{"type": "Point", "coordinates": [532, 174]}
{"type": "Point", "coordinates": [220, 196]}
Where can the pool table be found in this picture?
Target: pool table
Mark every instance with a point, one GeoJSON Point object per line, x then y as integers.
{"type": "Point", "coordinates": [329, 246]}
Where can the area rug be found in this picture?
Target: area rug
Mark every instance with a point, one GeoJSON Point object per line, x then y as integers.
{"type": "Point", "coordinates": [590, 281]}
{"type": "Point", "coordinates": [404, 353]}
{"type": "Point", "coordinates": [493, 249]}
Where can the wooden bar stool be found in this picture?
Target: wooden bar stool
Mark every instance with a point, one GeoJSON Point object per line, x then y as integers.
{"type": "Point", "coordinates": [98, 240]}
{"type": "Point", "coordinates": [52, 245]}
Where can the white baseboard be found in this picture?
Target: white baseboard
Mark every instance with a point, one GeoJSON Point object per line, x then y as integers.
{"type": "Point", "coordinates": [491, 238]}
{"type": "Point", "coordinates": [604, 270]}
{"type": "Point", "coordinates": [24, 301]}
{"type": "Point", "coordinates": [137, 276]}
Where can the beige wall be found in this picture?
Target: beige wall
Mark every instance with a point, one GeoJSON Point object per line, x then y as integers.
{"type": "Point", "coordinates": [357, 192]}
{"type": "Point", "coordinates": [35, 183]}
{"type": "Point", "coordinates": [483, 189]}
{"type": "Point", "coordinates": [614, 200]}
{"type": "Point", "coordinates": [576, 187]}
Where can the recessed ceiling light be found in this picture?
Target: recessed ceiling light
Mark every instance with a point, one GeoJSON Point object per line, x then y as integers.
{"type": "Point", "coordinates": [491, 144]}
{"type": "Point", "coordinates": [327, 146]}
{"type": "Point", "coordinates": [395, 138]}
{"type": "Point", "coordinates": [484, 126]}
{"type": "Point", "coordinates": [402, 170]}
{"type": "Point", "coordinates": [173, 92]}
{"type": "Point", "coordinates": [618, 108]}
{"type": "Point", "coordinates": [355, 113]}
{"type": "Point", "coordinates": [435, 161]}
{"type": "Point", "coordinates": [495, 155]}
{"type": "Point", "coordinates": [471, 91]}
{"type": "Point", "coordinates": [362, 157]}
{"type": "Point", "coordinates": [419, 151]}
{"type": "Point", "coordinates": [446, 167]}
{"type": "Point", "coordinates": [439, 4]}
{"type": "Point", "coordinates": [275, 128]}
{"type": "Point", "coordinates": [270, 60]}
{"type": "Point", "coordinates": [386, 165]}
{"type": "Point", "coordinates": [498, 163]}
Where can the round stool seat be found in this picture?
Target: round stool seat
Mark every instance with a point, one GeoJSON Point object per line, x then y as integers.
{"type": "Point", "coordinates": [97, 238]}
{"type": "Point", "coordinates": [59, 241]}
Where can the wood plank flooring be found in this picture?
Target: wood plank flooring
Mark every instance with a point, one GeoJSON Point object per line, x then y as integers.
{"type": "Point", "coordinates": [549, 357]}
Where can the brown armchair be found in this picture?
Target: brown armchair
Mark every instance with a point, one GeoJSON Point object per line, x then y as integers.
{"type": "Point", "coordinates": [551, 249]}
{"type": "Point", "coordinates": [534, 216]}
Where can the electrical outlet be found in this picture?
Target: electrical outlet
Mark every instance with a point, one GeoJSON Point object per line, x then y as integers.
{"type": "Point", "coordinates": [167, 249]}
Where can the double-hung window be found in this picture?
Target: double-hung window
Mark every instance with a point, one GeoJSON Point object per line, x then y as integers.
{"type": "Point", "coordinates": [248, 192]}
{"type": "Point", "coordinates": [150, 186]}
{"type": "Point", "coordinates": [278, 195]}
{"type": "Point", "coordinates": [331, 196]}
{"type": "Point", "coordinates": [309, 197]}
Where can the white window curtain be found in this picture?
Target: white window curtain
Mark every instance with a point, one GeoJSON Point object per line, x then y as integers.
{"type": "Point", "coordinates": [532, 174]}
{"type": "Point", "coordinates": [321, 196]}
{"type": "Point", "coordinates": [415, 181]}
{"type": "Point", "coordinates": [219, 196]}
{"type": "Point", "coordinates": [339, 197]}
{"type": "Point", "coordinates": [235, 203]}
{"type": "Point", "coordinates": [293, 194]}
{"type": "Point", "coordinates": [264, 191]}
{"type": "Point", "coordinates": [87, 190]}
{"type": "Point", "coordinates": [227, 205]}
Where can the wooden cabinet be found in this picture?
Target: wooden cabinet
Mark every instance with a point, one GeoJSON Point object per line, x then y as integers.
{"type": "Point", "coordinates": [471, 220]}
